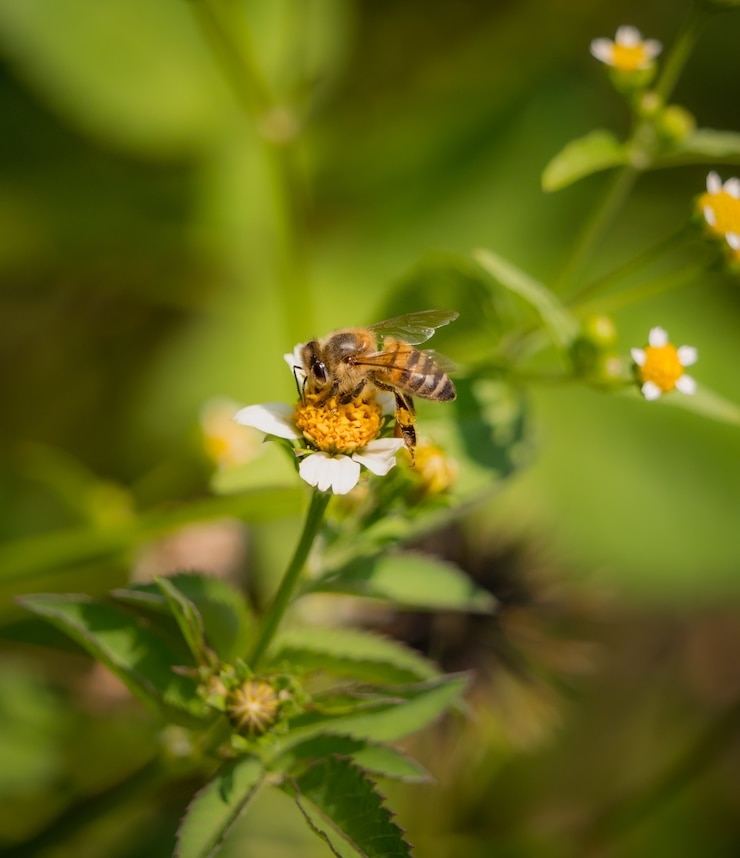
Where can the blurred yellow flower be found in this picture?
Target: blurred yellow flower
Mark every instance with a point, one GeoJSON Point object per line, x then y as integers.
{"type": "Point", "coordinates": [628, 52]}
{"type": "Point", "coordinates": [720, 206]}
{"type": "Point", "coordinates": [660, 366]}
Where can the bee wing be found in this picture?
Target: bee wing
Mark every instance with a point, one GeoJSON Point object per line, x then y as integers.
{"type": "Point", "coordinates": [414, 328]}
{"type": "Point", "coordinates": [391, 360]}
{"type": "Point", "coordinates": [441, 361]}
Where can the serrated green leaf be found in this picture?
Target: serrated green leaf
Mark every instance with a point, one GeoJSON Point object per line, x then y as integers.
{"type": "Point", "coordinates": [703, 146]}
{"type": "Point", "coordinates": [188, 619]}
{"type": "Point", "coordinates": [559, 322]}
{"type": "Point", "coordinates": [389, 715]}
{"type": "Point", "coordinates": [227, 619]}
{"type": "Point", "coordinates": [347, 806]}
{"type": "Point", "coordinates": [597, 150]}
{"type": "Point", "coordinates": [411, 580]}
{"type": "Point", "coordinates": [351, 652]}
{"type": "Point", "coordinates": [139, 656]}
{"type": "Point", "coordinates": [217, 807]}
{"type": "Point", "coordinates": [378, 759]}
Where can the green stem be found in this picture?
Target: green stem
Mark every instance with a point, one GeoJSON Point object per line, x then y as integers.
{"type": "Point", "coordinates": [622, 815]}
{"type": "Point", "coordinates": [314, 517]}
{"type": "Point", "coordinates": [598, 224]}
{"type": "Point", "coordinates": [278, 143]}
{"type": "Point", "coordinates": [681, 50]}
{"type": "Point", "coordinates": [667, 283]}
{"type": "Point", "coordinates": [640, 146]}
{"type": "Point", "coordinates": [652, 253]}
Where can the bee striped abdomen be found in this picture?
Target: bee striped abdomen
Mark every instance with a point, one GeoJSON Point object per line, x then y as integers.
{"type": "Point", "coordinates": [420, 374]}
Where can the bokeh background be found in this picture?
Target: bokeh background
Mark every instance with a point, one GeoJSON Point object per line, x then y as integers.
{"type": "Point", "coordinates": [154, 256]}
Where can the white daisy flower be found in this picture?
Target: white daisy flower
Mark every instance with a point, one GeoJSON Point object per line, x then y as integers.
{"type": "Point", "coordinates": [337, 439]}
{"type": "Point", "coordinates": [720, 206]}
{"type": "Point", "coordinates": [660, 366]}
{"type": "Point", "coordinates": [628, 52]}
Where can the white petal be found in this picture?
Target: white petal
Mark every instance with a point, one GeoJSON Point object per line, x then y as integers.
{"type": "Point", "coordinates": [628, 36]}
{"type": "Point", "coordinates": [603, 50]}
{"type": "Point", "coordinates": [657, 337]}
{"type": "Point", "coordinates": [294, 361]}
{"type": "Point", "coordinates": [687, 355]}
{"type": "Point", "coordinates": [386, 400]}
{"type": "Point", "coordinates": [686, 384]}
{"type": "Point", "coordinates": [638, 356]}
{"type": "Point", "coordinates": [714, 183]}
{"type": "Point", "coordinates": [379, 456]}
{"type": "Point", "coordinates": [338, 473]}
{"type": "Point", "coordinates": [272, 418]}
{"type": "Point", "coordinates": [732, 187]}
{"type": "Point", "coordinates": [709, 216]}
{"type": "Point", "coordinates": [650, 390]}
{"type": "Point", "coordinates": [652, 48]}
{"type": "Point", "coordinates": [733, 239]}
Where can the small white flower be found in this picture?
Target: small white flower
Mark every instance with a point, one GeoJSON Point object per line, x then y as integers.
{"type": "Point", "coordinates": [660, 366]}
{"type": "Point", "coordinates": [338, 472]}
{"type": "Point", "coordinates": [628, 51]}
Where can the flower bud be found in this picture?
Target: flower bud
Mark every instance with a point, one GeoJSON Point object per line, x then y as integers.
{"type": "Point", "coordinates": [253, 707]}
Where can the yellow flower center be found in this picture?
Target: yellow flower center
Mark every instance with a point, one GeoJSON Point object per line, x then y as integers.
{"type": "Point", "coordinates": [629, 57]}
{"type": "Point", "coordinates": [253, 707]}
{"type": "Point", "coordinates": [661, 366]}
{"type": "Point", "coordinates": [334, 427]}
{"type": "Point", "coordinates": [726, 210]}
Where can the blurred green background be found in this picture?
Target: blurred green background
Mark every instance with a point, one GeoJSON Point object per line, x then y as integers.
{"type": "Point", "coordinates": [146, 267]}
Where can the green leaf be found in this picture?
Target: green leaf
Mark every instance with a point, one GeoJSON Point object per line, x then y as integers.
{"type": "Point", "coordinates": [135, 652]}
{"type": "Point", "coordinates": [351, 652]}
{"type": "Point", "coordinates": [40, 554]}
{"type": "Point", "coordinates": [490, 420]}
{"type": "Point", "coordinates": [76, 54]}
{"type": "Point", "coordinates": [707, 403]}
{"type": "Point", "coordinates": [703, 146]}
{"type": "Point", "coordinates": [271, 468]}
{"type": "Point", "coordinates": [386, 716]}
{"type": "Point", "coordinates": [409, 580]}
{"type": "Point", "coordinates": [227, 619]}
{"type": "Point", "coordinates": [188, 619]}
{"type": "Point", "coordinates": [217, 807]}
{"type": "Point", "coordinates": [558, 321]}
{"type": "Point", "coordinates": [380, 760]}
{"type": "Point", "coordinates": [345, 807]}
{"type": "Point", "coordinates": [598, 150]}
{"type": "Point", "coordinates": [449, 281]}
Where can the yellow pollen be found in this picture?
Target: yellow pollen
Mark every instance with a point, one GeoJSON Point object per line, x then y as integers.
{"type": "Point", "coordinates": [253, 707]}
{"type": "Point", "coordinates": [726, 210]}
{"type": "Point", "coordinates": [629, 57]}
{"type": "Point", "coordinates": [661, 366]}
{"type": "Point", "coordinates": [335, 427]}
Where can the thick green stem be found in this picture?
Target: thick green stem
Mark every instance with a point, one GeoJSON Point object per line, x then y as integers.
{"type": "Point", "coordinates": [314, 517]}
{"type": "Point", "coordinates": [277, 130]}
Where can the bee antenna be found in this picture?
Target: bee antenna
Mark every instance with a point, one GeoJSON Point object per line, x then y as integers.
{"type": "Point", "coordinates": [300, 388]}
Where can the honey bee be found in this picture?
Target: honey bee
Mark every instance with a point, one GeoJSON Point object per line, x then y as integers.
{"type": "Point", "coordinates": [345, 361]}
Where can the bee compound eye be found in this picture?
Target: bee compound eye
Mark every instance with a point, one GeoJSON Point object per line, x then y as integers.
{"type": "Point", "coordinates": [319, 370]}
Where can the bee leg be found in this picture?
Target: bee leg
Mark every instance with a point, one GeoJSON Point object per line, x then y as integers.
{"type": "Point", "coordinates": [405, 418]}
{"type": "Point", "coordinates": [346, 398]}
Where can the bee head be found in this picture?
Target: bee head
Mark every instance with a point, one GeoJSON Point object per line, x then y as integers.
{"type": "Point", "coordinates": [313, 365]}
